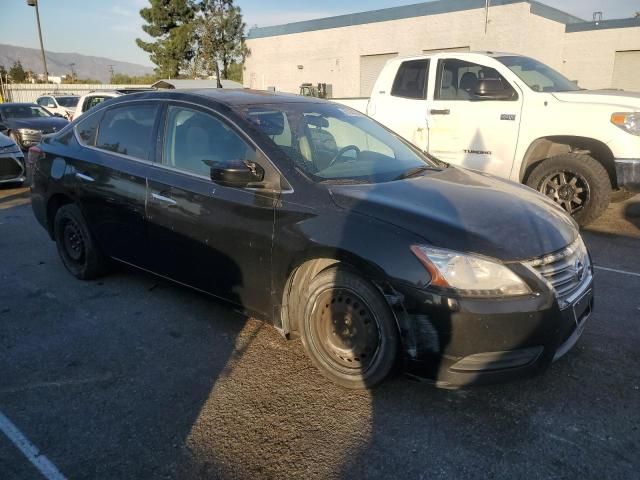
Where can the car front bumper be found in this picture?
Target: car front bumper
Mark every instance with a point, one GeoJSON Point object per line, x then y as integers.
{"type": "Point", "coordinates": [456, 342]}
{"type": "Point", "coordinates": [628, 173]}
{"type": "Point", "coordinates": [12, 168]}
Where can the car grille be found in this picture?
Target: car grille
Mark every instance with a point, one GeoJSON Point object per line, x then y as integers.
{"type": "Point", "coordinates": [566, 271]}
{"type": "Point", "coordinates": [46, 131]}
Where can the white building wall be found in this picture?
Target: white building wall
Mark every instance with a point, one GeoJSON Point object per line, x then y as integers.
{"type": "Point", "coordinates": [334, 55]}
{"type": "Point", "coordinates": [590, 56]}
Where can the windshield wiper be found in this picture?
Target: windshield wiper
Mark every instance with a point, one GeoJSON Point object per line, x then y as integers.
{"type": "Point", "coordinates": [413, 172]}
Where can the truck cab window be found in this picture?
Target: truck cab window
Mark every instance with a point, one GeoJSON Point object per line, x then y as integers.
{"type": "Point", "coordinates": [411, 80]}
{"type": "Point", "coordinates": [457, 79]}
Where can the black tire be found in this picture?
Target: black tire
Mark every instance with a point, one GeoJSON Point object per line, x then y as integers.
{"type": "Point", "coordinates": [591, 185]}
{"type": "Point", "coordinates": [77, 248]}
{"type": "Point", "coordinates": [348, 330]}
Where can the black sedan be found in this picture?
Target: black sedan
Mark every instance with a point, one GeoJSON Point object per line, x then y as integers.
{"type": "Point", "coordinates": [315, 217]}
{"type": "Point", "coordinates": [12, 166]}
{"type": "Point", "coordinates": [25, 123]}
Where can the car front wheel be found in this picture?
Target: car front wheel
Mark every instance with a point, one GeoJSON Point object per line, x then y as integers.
{"type": "Point", "coordinates": [348, 329]}
{"type": "Point", "coordinates": [576, 182]}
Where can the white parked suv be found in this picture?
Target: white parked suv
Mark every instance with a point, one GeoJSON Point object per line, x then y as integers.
{"type": "Point", "coordinates": [514, 117]}
{"type": "Point", "coordinates": [62, 105]}
{"type": "Point", "coordinates": [96, 97]}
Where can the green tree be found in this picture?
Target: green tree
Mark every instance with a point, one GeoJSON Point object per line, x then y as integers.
{"type": "Point", "coordinates": [17, 73]}
{"type": "Point", "coordinates": [171, 23]}
{"type": "Point", "coordinates": [123, 79]}
{"type": "Point", "coordinates": [235, 72]}
{"type": "Point", "coordinates": [221, 38]}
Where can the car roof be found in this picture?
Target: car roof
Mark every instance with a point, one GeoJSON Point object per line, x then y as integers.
{"type": "Point", "coordinates": [228, 97]}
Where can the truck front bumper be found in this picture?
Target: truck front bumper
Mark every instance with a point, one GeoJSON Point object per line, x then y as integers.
{"type": "Point", "coordinates": [628, 173]}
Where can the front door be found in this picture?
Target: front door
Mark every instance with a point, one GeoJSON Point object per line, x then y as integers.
{"type": "Point", "coordinates": [208, 236]}
{"type": "Point", "coordinates": [466, 130]}
{"type": "Point", "coordinates": [404, 108]}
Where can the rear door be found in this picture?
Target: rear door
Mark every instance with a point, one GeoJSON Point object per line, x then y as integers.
{"type": "Point", "coordinates": [110, 175]}
{"type": "Point", "coordinates": [469, 131]}
{"type": "Point", "coordinates": [404, 108]}
{"type": "Point", "coordinates": [211, 237]}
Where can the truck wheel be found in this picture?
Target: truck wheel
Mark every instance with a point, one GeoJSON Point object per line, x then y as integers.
{"type": "Point", "coordinates": [348, 329]}
{"type": "Point", "coordinates": [76, 247]}
{"type": "Point", "coordinates": [577, 182]}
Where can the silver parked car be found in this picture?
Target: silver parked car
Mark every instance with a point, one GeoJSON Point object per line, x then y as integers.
{"type": "Point", "coordinates": [12, 164]}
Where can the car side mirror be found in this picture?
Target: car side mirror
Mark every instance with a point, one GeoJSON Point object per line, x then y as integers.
{"type": "Point", "coordinates": [58, 115]}
{"type": "Point", "coordinates": [492, 89]}
{"type": "Point", "coordinates": [235, 173]}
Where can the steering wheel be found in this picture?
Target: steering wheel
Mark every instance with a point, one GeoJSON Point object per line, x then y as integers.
{"type": "Point", "coordinates": [342, 152]}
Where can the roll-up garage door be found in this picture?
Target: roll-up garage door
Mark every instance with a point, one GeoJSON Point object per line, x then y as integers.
{"type": "Point", "coordinates": [626, 72]}
{"type": "Point", "coordinates": [370, 67]}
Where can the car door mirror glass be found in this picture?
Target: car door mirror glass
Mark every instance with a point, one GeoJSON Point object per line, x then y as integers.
{"type": "Point", "coordinates": [235, 173]}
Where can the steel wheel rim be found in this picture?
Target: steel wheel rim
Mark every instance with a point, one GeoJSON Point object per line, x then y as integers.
{"type": "Point", "coordinates": [73, 241]}
{"type": "Point", "coordinates": [345, 331]}
{"type": "Point", "coordinates": [568, 189]}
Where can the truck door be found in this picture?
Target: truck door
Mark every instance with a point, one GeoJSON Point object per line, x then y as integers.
{"type": "Point", "coordinates": [468, 127]}
{"type": "Point", "coordinates": [404, 108]}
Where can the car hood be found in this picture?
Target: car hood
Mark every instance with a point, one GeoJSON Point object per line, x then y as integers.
{"type": "Point", "coordinates": [43, 123]}
{"type": "Point", "coordinates": [465, 211]}
{"type": "Point", "coordinates": [618, 98]}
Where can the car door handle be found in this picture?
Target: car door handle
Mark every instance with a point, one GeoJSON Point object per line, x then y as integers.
{"type": "Point", "coordinates": [162, 198]}
{"type": "Point", "coordinates": [85, 178]}
{"type": "Point", "coordinates": [441, 112]}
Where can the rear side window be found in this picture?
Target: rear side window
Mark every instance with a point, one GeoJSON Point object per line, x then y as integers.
{"type": "Point", "coordinates": [87, 129]}
{"type": "Point", "coordinates": [411, 80]}
{"type": "Point", "coordinates": [128, 130]}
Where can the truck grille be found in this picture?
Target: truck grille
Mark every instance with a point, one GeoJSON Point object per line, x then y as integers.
{"type": "Point", "coordinates": [566, 271]}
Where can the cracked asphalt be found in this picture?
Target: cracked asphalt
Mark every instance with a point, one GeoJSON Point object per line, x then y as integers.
{"type": "Point", "coordinates": [133, 377]}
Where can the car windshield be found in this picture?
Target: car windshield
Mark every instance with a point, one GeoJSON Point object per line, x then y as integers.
{"type": "Point", "coordinates": [23, 111]}
{"type": "Point", "coordinates": [333, 143]}
{"type": "Point", "coordinates": [67, 101]}
{"type": "Point", "coordinates": [538, 76]}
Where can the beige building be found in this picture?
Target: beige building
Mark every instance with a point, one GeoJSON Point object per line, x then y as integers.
{"type": "Point", "coordinates": [348, 51]}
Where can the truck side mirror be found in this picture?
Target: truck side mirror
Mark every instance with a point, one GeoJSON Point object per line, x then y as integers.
{"type": "Point", "coordinates": [492, 89]}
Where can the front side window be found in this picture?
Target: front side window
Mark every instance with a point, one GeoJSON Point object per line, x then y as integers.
{"type": "Point", "coordinates": [330, 142]}
{"type": "Point", "coordinates": [538, 76]}
{"type": "Point", "coordinates": [195, 140]}
{"type": "Point", "coordinates": [458, 79]}
{"type": "Point", "coordinates": [128, 130]}
{"type": "Point", "coordinates": [411, 80]}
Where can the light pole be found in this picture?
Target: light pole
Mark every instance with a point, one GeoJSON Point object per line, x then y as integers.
{"type": "Point", "coordinates": [34, 3]}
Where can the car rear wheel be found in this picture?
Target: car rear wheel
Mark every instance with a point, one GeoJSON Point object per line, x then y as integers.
{"type": "Point", "coordinates": [76, 246]}
{"type": "Point", "coordinates": [576, 182]}
{"type": "Point", "coordinates": [348, 329]}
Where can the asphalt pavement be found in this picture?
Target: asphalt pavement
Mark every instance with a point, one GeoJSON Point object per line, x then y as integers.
{"type": "Point", "coordinates": [133, 377]}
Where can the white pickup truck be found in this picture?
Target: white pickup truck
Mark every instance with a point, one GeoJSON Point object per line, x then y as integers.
{"type": "Point", "coordinates": [516, 118]}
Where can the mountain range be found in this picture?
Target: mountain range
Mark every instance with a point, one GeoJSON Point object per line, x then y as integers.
{"type": "Point", "coordinates": [59, 63]}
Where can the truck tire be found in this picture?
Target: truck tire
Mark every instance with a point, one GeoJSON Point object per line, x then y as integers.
{"type": "Point", "coordinates": [348, 329]}
{"type": "Point", "coordinates": [77, 248]}
{"type": "Point", "coordinates": [577, 182]}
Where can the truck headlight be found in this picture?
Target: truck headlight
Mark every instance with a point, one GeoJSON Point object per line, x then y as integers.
{"type": "Point", "coordinates": [628, 121]}
{"type": "Point", "coordinates": [469, 275]}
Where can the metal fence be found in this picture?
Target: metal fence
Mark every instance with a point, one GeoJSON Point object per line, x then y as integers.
{"type": "Point", "coordinates": [29, 92]}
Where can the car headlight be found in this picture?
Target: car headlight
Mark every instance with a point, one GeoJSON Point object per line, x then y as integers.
{"type": "Point", "coordinates": [10, 149]}
{"type": "Point", "coordinates": [627, 121]}
{"type": "Point", "coordinates": [28, 131]}
{"type": "Point", "coordinates": [469, 275]}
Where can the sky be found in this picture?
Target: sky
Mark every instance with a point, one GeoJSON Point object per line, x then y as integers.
{"type": "Point", "coordinates": [109, 29]}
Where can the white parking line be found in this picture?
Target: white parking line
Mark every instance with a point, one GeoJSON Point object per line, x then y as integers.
{"type": "Point", "coordinates": [614, 270]}
{"type": "Point", "coordinates": [42, 463]}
